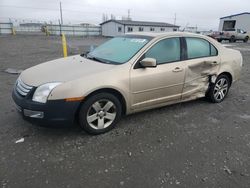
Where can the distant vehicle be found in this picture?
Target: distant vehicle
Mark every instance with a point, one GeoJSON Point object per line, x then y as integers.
{"type": "Point", "coordinates": [127, 74]}
{"type": "Point", "coordinates": [213, 34]}
{"type": "Point", "coordinates": [232, 35]}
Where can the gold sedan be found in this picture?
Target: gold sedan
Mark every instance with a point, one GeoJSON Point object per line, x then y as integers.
{"type": "Point", "coordinates": [127, 74]}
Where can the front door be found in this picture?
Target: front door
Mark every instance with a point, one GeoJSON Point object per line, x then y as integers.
{"type": "Point", "coordinates": [162, 84]}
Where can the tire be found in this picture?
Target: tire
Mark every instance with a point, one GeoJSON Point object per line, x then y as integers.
{"type": "Point", "coordinates": [232, 39]}
{"type": "Point", "coordinates": [246, 39]}
{"type": "Point", "coordinates": [219, 40]}
{"type": "Point", "coordinates": [100, 113]}
{"type": "Point", "coordinates": [219, 90]}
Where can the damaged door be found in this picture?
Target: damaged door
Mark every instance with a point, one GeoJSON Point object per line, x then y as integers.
{"type": "Point", "coordinates": [202, 63]}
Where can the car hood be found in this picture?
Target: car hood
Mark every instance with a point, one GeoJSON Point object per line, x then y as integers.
{"type": "Point", "coordinates": [63, 70]}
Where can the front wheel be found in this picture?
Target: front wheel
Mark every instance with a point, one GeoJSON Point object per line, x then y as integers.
{"type": "Point", "coordinates": [218, 91]}
{"type": "Point", "coordinates": [100, 113]}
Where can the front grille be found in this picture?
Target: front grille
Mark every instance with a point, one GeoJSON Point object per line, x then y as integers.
{"type": "Point", "coordinates": [22, 88]}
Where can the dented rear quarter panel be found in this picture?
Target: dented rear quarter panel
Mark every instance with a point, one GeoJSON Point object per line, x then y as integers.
{"type": "Point", "coordinates": [231, 62]}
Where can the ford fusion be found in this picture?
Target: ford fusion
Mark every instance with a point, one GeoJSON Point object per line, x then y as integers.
{"type": "Point", "coordinates": [126, 74]}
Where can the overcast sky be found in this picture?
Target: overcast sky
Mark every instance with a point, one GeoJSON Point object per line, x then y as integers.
{"type": "Point", "coordinates": [204, 14]}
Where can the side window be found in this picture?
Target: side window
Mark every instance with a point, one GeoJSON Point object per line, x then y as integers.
{"type": "Point", "coordinates": [165, 51]}
{"type": "Point", "coordinates": [197, 48]}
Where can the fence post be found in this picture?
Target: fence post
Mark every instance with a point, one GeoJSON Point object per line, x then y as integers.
{"type": "Point", "coordinates": [47, 30]}
{"type": "Point", "coordinates": [13, 29]}
{"type": "Point", "coordinates": [64, 46]}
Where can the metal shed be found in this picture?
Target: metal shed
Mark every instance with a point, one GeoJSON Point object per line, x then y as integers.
{"type": "Point", "coordinates": [119, 27]}
{"type": "Point", "coordinates": [237, 21]}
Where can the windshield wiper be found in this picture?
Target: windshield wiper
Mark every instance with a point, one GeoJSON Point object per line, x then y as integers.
{"type": "Point", "coordinates": [97, 59]}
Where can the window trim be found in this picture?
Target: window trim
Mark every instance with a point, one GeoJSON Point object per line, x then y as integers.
{"type": "Point", "coordinates": [210, 44]}
{"type": "Point", "coordinates": [182, 52]}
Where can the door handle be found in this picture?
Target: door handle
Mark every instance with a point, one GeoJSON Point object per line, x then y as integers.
{"type": "Point", "coordinates": [211, 62]}
{"type": "Point", "coordinates": [178, 69]}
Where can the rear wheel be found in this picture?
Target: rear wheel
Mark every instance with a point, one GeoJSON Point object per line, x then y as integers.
{"type": "Point", "coordinates": [246, 39]}
{"type": "Point", "coordinates": [100, 113]}
{"type": "Point", "coordinates": [219, 40]}
{"type": "Point", "coordinates": [232, 39]}
{"type": "Point", "coordinates": [219, 90]}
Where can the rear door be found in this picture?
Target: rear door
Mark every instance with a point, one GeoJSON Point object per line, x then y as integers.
{"type": "Point", "coordinates": [202, 62]}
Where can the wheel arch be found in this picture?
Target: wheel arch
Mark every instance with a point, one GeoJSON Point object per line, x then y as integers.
{"type": "Point", "coordinates": [228, 74]}
{"type": "Point", "coordinates": [112, 91]}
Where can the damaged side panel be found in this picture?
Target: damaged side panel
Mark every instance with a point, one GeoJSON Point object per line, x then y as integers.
{"type": "Point", "coordinates": [199, 72]}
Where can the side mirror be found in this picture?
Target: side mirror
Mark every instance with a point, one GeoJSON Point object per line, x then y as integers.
{"type": "Point", "coordinates": [244, 32]}
{"type": "Point", "coordinates": [148, 62]}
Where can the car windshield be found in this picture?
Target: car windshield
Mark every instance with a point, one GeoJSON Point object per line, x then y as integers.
{"type": "Point", "coordinates": [119, 49]}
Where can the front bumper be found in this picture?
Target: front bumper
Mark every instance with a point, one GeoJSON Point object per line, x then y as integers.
{"type": "Point", "coordinates": [52, 112]}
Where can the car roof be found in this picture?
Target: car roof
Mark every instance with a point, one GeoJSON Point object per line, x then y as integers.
{"type": "Point", "coordinates": [165, 34]}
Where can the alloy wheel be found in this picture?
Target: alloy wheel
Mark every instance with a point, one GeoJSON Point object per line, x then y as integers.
{"type": "Point", "coordinates": [220, 89]}
{"type": "Point", "coordinates": [101, 114]}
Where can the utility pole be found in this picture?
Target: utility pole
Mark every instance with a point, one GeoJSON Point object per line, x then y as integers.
{"type": "Point", "coordinates": [60, 26]}
{"type": "Point", "coordinates": [174, 18]}
{"type": "Point", "coordinates": [61, 12]}
{"type": "Point", "coordinates": [128, 14]}
{"type": "Point", "coordinates": [61, 21]}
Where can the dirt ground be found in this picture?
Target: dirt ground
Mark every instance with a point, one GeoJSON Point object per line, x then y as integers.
{"type": "Point", "coordinates": [194, 144]}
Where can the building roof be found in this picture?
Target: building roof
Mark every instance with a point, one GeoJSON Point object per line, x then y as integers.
{"type": "Point", "coordinates": [141, 23]}
{"type": "Point", "coordinates": [235, 15]}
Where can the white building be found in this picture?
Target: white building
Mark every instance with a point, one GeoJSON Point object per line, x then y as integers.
{"type": "Point", "coordinates": [119, 27]}
{"type": "Point", "coordinates": [237, 21]}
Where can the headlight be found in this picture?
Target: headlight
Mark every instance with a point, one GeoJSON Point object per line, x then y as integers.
{"type": "Point", "coordinates": [42, 92]}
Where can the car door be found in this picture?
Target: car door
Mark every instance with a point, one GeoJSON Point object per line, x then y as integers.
{"type": "Point", "coordinates": [163, 84]}
{"type": "Point", "coordinates": [241, 34]}
{"type": "Point", "coordinates": [202, 62]}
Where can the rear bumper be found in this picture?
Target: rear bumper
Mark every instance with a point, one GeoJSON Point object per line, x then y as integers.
{"type": "Point", "coordinates": [52, 112]}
